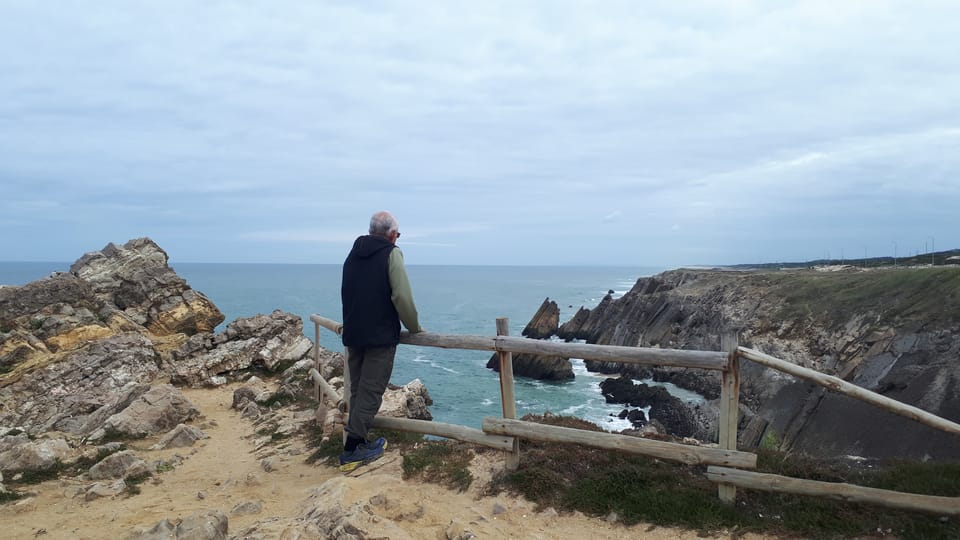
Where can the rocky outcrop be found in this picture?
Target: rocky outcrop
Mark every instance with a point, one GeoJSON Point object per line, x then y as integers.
{"type": "Point", "coordinates": [893, 332]}
{"type": "Point", "coordinates": [542, 325]}
{"type": "Point", "coordinates": [544, 322]}
{"type": "Point", "coordinates": [85, 356]}
{"type": "Point", "coordinates": [137, 280]}
{"type": "Point", "coordinates": [536, 366]}
{"type": "Point", "coordinates": [668, 410]}
{"type": "Point", "coordinates": [270, 342]}
{"type": "Point", "coordinates": [106, 293]}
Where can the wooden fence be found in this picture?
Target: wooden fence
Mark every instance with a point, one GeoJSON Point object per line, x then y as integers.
{"type": "Point", "coordinates": [504, 433]}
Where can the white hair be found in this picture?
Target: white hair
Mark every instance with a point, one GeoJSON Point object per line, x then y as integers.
{"type": "Point", "coordinates": [383, 223]}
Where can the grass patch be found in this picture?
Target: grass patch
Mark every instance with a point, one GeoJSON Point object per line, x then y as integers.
{"type": "Point", "coordinates": [133, 483]}
{"type": "Point", "coordinates": [640, 489]}
{"type": "Point", "coordinates": [112, 435]}
{"type": "Point", "coordinates": [35, 477]}
{"type": "Point", "coordinates": [892, 296]}
{"type": "Point", "coordinates": [277, 400]}
{"type": "Point", "coordinates": [442, 462]}
{"type": "Point", "coordinates": [941, 479]}
{"type": "Point", "coordinates": [10, 496]}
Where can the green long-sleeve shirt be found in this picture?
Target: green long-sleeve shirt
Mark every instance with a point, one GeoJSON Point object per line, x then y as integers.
{"type": "Point", "coordinates": [402, 296]}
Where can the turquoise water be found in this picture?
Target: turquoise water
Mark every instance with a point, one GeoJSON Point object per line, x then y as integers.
{"type": "Point", "coordinates": [451, 300]}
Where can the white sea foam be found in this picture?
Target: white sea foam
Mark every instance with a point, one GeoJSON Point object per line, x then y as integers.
{"type": "Point", "coordinates": [421, 359]}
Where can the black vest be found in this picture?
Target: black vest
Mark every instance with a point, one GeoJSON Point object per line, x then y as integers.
{"type": "Point", "coordinates": [369, 317]}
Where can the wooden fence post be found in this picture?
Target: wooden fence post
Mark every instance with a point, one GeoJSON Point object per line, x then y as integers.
{"type": "Point", "coordinates": [512, 460]}
{"type": "Point", "coordinates": [316, 358]}
{"type": "Point", "coordinates": [729, 407]}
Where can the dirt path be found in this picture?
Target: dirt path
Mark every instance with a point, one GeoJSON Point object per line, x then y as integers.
{"type": "Point", "coordinates": [222, 472]}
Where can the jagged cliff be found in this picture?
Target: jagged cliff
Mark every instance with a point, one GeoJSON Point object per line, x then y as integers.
{"type": "Point", "coordinates": [895, 332]}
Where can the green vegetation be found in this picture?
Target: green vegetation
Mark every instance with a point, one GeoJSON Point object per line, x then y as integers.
{"type": "Point", "coordinates": [277, 400]}
{"type": "Point", "coordinates": [640, 489]}
{"type": "Point", "coordinates": [938, 259]}
{"type": "Point", "coordinates": [38, 476]}
{"type": "Point", "coordinates": [10, 496]}
{"type": "Point", "coordinates": [903, 296]}
{"type": "Point", "coordinates": [446, 463]}
{"type": "Point", "coordinates": [133, 483]}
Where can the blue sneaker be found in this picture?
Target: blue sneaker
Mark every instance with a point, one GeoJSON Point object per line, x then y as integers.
{"type": "Point", "coordinates": [379, 442]}
{"type": "Point", "coordinates": [365, 453]}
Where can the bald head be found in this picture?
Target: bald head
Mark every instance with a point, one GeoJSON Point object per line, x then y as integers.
{"type": "Point", "coordinates": [383, 224]}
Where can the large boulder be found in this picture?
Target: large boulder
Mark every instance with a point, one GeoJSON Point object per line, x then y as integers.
{"type": "Point", "coordinates": [158, 409]}
{"type": "Point", "coordinates": [25, 455]}
{"type": "Point", "coordinates": [270, 342]}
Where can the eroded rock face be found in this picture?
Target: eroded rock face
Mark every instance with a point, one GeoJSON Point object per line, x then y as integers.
{"type": "Point", "coordinates": [72, 385]}
{"type": "Point", "coordinates": [136, 279]}
{"type": "Point", "coordinates": [117, 290]}
{"type": "Point", "coordinates": [271, 342]}
{"type": "Point", "coordinates": [544, 322]}
{"type": "Point", "coordinates": [898, 343]}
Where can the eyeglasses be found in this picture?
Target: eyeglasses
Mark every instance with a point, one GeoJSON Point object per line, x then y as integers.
{"type": "Point", "coordinates": [398, 233]}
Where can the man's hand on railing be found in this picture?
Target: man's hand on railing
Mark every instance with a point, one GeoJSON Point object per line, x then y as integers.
{"type": "Point", "coordinates": [339, 330]}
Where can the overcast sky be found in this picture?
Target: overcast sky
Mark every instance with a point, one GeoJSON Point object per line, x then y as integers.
{"type": "Point", "coordinates": [610, 133]}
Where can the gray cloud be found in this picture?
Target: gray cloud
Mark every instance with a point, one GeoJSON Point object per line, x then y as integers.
{"type": "Point", "coordinates": [551, 133]}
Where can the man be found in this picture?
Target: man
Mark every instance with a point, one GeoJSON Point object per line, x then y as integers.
{"type": "Point", "coordinates": [376, 297]}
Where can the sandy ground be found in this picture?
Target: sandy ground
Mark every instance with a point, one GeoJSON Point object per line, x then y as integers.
{"type": "Point", "coordinates": [222, 472]}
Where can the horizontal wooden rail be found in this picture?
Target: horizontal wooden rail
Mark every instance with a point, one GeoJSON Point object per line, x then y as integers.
{"type": "Point", "coordinates": [325, 387]}
{"type": "Point", "coordinates": [852, 390]}
{"type": "Point", "coordinates": [940, 506]}
{"type": "Point", "coordinates": [444, 341]}
{"type": "Point", "coordinates": [329, 324]}
{"type": "Point", "coordinates": [449, 431]}
{"type": "Point", "coordinates": [692, 455]}
{"type": "Point", "coordinates": [613, 353]}
{"type": "Point", "coordinates": [714, 360]}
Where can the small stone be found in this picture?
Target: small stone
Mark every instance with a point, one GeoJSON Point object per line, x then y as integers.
{"type": "Point", "coordinates": [201, 495]}
{"type": "Point", "coordinates": [249, 507]}
{"type": "Point", "coordinates": [498, 509]}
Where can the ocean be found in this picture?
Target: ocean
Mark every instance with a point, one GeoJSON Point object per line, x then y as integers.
{"type": "Point", "coordinates": [450, 300]}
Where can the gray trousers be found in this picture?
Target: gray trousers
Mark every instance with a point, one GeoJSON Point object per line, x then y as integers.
{"type": "Point", "coordinates": [370, 370]}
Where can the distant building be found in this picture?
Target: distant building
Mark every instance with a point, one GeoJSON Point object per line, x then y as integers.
{"type": "Point", "coordinates": [953, 260]}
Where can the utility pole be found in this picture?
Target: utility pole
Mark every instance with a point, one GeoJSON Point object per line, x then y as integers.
{"type": "Point", "coordinates": [933, 250]}
{"type": "Point", "coordinates": [894, 253]}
